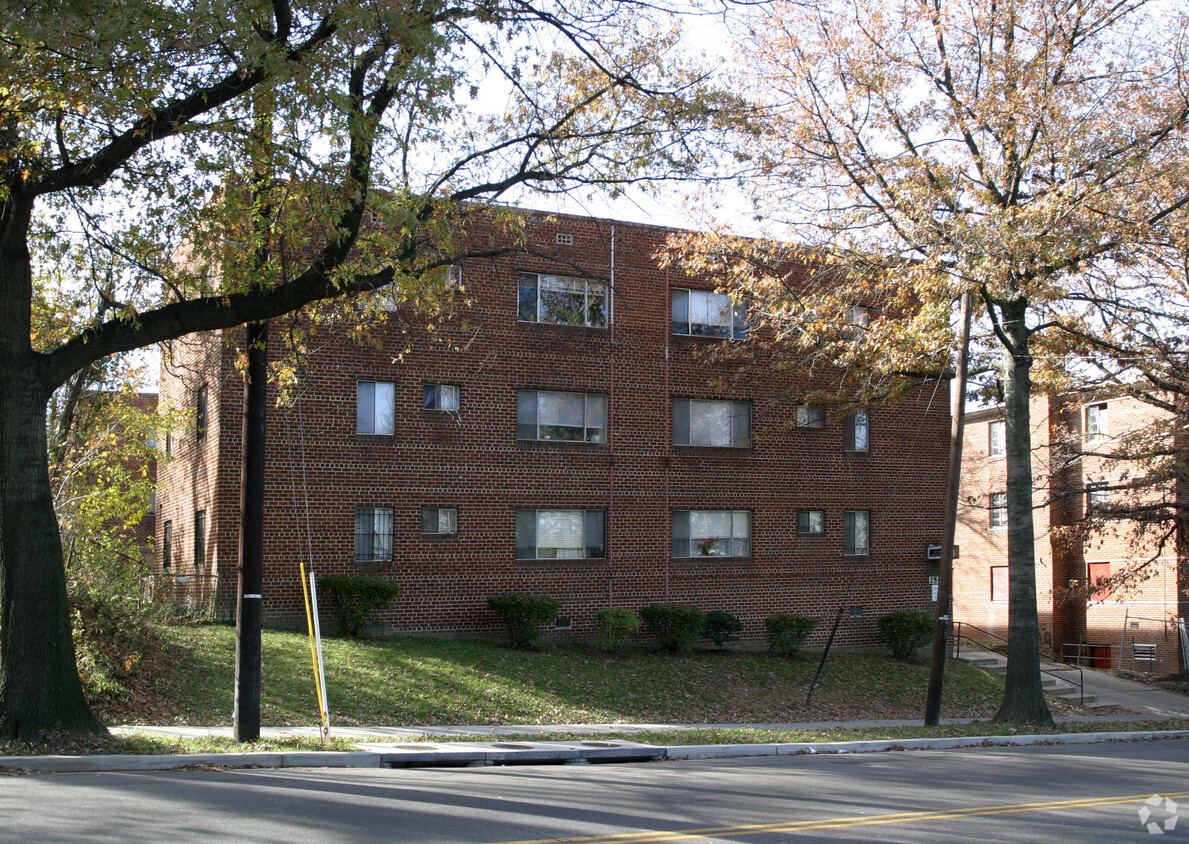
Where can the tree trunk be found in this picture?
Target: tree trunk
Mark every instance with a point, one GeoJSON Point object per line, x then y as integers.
{"type": "Point", "coordinates": [34, 610]}
{"type": "Point", "coordinates": [1023, 697]}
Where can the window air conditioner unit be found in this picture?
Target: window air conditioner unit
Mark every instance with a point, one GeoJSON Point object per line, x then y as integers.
{"type": "Point", "coordinates": [933, 552]}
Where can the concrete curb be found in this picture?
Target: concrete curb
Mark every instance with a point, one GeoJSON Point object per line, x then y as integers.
{"type": "Point", "coordinates": [379, 755]}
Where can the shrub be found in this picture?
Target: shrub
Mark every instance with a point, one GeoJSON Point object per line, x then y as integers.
{"type": "Point", "coordinates": [788, 632]}
{"type": "Point", "coordinates": [906, 631]}
{"type": "Point", "coordinates": [675, 626]}
{"type": "Point", "coordinates": [719, 626]}
{"type": "Point", "coordinates": [352, 599]}
{"type": "Point", "coordinates": [522, 615]}
{"type": "Point", "coordinates": [111, 634]}
{"type": "Point", "coordinates": [613, 626]}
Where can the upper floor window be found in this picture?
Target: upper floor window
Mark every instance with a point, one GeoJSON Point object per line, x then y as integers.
{"type": "Point", "coordinates": [711, 533]}
{"type": "Point", "coordinates": [375, 410]}
{"type": "Point", "coordinates": [858, 316]}
{"type": "Point", "coordinates": [702, 313]}
{"type": "Point", "coordinates": [1096, 422]}
{"type": "Point", "coordinates": [858, 533]}
{"type": "Point", "coordinates": [200, 410]}
{"type": "Point", "coordinates": [439, 521]}
{"type": "Point", "coordinates": [560, 534]}
{"type": "Point", "coordinates": [997, 439]}
{"type": "Point", "coordinates": [442, 397]}
{"type": "Point", "coordinates": [811, 521]}
{"type": "Point", "coordinates": [1098, 495]}
{"type": "Point", "coordinates": [561, 300]}
{"type": "Point", "coordinates": [551, 415]}
{"type": "Point", "coordinates": [810, 416]}
{"type": "Point", "coordinates": [373, 534]}
{"type": "Point", "coordinates": [725, 424]}
{"type": "Point", "coordinates": [856, 431]}
{"type": "Point", "coordinates": [998, 509]}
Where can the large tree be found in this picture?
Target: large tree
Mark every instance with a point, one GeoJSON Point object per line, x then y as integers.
{"type": "Point", "coordinates": [925, 148]}
{"type": "Point", "coordinates": [130, 144]}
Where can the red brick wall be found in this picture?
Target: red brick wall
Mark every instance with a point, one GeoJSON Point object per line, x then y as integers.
{"type": "Point", "coordinates": [320, 470]}
{"type": "Point", "coordinates": [1141, 611]}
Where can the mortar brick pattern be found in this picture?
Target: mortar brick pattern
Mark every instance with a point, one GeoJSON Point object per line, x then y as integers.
{"type": "Point", "coordinates": [319, 470]}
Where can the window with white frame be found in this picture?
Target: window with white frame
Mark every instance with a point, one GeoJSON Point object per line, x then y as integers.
{"type": "Point", "coordinates": [1097, 427]}
{"type": "Point", "coordinates": [1098, 495]}
{"type": "Point", "coordinates": [375, 408]}
{"type": "Point", "coordinates": [439, 521]}
{"type": "Point", "coordinates": [856, 431]}
{"type": "Point", "coordinates": [553, 415]}
{"type": "Point", "coordinates": [722, 424]}
{"type": "Point", "coordinates": [442, 397]}
{"type": "Point", "coordinates": [998, 509]}
{"type": "Point", "coordinates": [560, 534]}
{"type": "Point", "coordinates": [703, 313]}
{"type": "Point", "coordinates": [811, 521]}
{"type": "Point", "coordinates": [858, 535]}
{"type": "Point", "coordinates": [373, 534]}
{"type": "Point", "coordinates": [711, 533]}
{"type": "Point", "coordinates": [810, 416]}
{"type": "Point", "coordinates": [997, 439]}
{"type": "Point", "coordinates": [562, 300]}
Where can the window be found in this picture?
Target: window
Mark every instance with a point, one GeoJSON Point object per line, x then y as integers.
{"type": "Point", "coordinates": [439, 521]}
{"type": "Point", "coordinates": [199, 539]}
{"type": "Point", "coordinates": [373, 534]}
{"type": "Point", "coordinates": [167, 546]}
{"type": "Point", "coordinates": [375, 409]}
{"type": "Point", "coordinates": [810, 416]}
{"type": "Point", "coordinates": [442, 397]}
{"type": "Point", "coordinates": [200, 400]}
{"type": "Point", "coordinates": [561, 300]}
{"type": "Point", "coordinates": [711, 533]}
{"type": "Point", "coordinates": [856, 431]}
{"type": "Point", "coordinates": [560, 534]}
{"type": "Point", "coordinates": [1098, 495]}
{"type": "Point", "coordinates": [811, 521]}
{"type": "Point", "coordinates": [1096, 423]}
{"type": "Point", "coordinates": [574, 417]}
{"type": "Point", "coordinates": [997, 439]}
{"type": "Point", "coordinates": [724, 424]}
{"type": "Point", "coordinates": [999, 583]}
{"type": "Point", "coordinates": [704, 314]}
{"type": "Point", "coordinates": [1098, 578]}
{"type": "Point", "coordinates": [454, 277]}
{"type": "Point", "coordinates": [169, 443]}
{"type": "Point", "coordinates": [998, 509]}
{"type": "Point", "coordinates": [858, 316]}
{"type": "Point", "coordinates": [858, 535]}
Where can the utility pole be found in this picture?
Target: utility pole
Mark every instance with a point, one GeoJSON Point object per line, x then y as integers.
{"type": "Point", "coordinates": [945, 575]}
{"type": "Point", "coordinates": [249, 613]}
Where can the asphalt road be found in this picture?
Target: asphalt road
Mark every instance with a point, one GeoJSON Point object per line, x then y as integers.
{"type": "Point", "coordinates": [1056, 793]}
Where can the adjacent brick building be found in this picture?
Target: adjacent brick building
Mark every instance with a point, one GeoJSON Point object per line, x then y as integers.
{"type": "Point", "coordinates": [549, 436]}
{"type": "Point", "coordinates": [1101, 627]}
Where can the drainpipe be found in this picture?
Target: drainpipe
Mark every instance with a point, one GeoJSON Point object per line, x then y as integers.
{"type": "Point", "coordinates": [611, 436]}
{"type": "Point", "coordinates": [667, 551]}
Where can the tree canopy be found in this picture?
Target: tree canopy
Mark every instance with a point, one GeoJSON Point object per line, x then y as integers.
{"type": "Point", "coordinates": [200, 165]}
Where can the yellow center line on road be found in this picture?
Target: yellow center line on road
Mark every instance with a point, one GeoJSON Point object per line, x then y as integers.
{"type": "Point", "coordinates": [834, 823]}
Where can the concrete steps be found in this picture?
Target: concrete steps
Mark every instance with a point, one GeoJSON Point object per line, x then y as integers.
{"type": "Point", "coordinates": [1052, 683]}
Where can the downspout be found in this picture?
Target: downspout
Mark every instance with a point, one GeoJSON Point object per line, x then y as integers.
{"type": "Point", "coordinates": [667, 551]}
{"type": "Point", "coordinates": [610, 527]}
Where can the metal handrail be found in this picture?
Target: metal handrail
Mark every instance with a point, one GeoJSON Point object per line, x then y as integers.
{"type": "Point", "coordinates": [1081, 681]}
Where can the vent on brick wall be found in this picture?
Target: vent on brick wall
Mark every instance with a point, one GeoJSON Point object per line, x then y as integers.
{"type": "Point", "coordinates": [563, 623]}
{"type": "Point", "coordinates": [565, 239]}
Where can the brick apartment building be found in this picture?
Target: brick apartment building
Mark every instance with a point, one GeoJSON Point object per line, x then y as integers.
{"type": "Point", "coordinates": [551, 436]}
{"type": "Point", "coordinates": [1099, 627]}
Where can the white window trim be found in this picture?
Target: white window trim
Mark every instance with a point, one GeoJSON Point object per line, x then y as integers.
{"type": "Point", "coordinates": [1102, 424]}
{"type": "Point", "coordinates": [996, 509]}
{"type": "Point", "coordinates": [371, 417]}
{"type": "Point", "coordinates": [997, 445]}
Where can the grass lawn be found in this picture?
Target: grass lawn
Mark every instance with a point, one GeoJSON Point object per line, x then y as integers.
{"type": "Point", "coordinates": [413, 681]}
